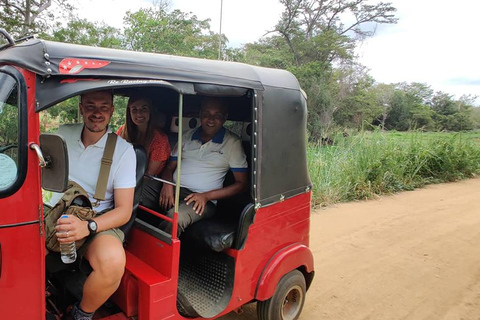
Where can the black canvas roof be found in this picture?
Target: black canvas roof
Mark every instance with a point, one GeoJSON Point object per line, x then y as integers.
{"type": "Point", "coordinates": [48, 58]}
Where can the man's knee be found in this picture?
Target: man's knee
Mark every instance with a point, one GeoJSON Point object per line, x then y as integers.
{"type": "Point", "coordinates": [107, 257]}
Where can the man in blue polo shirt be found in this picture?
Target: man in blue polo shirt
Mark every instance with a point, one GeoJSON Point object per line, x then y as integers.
{"type": "Point", "coordinates": [208, 153]}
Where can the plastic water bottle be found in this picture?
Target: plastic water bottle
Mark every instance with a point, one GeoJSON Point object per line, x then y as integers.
{"type": "Point", "coordinates": [68, 252]}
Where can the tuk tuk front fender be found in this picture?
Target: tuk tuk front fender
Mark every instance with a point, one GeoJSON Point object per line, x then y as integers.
{"type": "Point", "coordinates": [295, 256]}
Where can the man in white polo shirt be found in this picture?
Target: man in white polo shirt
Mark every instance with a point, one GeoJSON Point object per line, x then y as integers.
{"type": "Point", "coordinates": [104, 248]}
{"type": "Point", "coordinates": [208, 153]}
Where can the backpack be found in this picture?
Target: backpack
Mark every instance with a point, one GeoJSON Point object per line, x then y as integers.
{"type": "Point", "coordinates": [75, 201]}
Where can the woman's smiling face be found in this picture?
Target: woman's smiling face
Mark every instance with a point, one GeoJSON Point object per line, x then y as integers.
{"type": "Point", "coordinates": [140, 112]}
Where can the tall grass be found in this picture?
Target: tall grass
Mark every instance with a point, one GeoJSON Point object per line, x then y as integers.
{"type": "Point", "coordinates": [372, 164]}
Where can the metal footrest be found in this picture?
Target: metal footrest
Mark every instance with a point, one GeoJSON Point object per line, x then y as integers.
{"type": "Point", "coordinates": [205, 284]}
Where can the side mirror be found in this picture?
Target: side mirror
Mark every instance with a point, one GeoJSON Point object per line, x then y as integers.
{"type": "Point", "coordinates": [55, 169]}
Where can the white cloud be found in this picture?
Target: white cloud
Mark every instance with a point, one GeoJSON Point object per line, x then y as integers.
{"type": "Point", "coordinates": [433, 43]}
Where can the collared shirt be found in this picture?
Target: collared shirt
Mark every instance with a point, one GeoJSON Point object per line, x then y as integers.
{"type": "Point", "coordinates": [84, 164]}
{"type": "Point", "coordinates": [205, 164]}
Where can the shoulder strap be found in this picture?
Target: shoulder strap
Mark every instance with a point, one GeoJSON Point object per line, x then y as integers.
{"type": "Point", "coordinates": [101, 187]}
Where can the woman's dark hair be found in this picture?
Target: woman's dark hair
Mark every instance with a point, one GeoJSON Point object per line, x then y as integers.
{"type": "Point", "coordinates": [130, 130]}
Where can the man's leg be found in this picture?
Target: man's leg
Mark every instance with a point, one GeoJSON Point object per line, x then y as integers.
{"type": "Point", "coordinates": [186, 214]}
{"type": "Point", "coordinates": [107, 258]}
{"type": "Point", "coordinates": [150, 193]}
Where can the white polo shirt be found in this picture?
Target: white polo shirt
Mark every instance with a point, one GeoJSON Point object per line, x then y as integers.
{"type": "Point", "coordinates": [84, 164]}
{"type": "Point", "coordinates": [204, 165]}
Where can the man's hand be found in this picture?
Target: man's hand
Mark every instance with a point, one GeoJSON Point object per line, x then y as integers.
{"type": "Point", "coordinates": [71, 229]}
{"type": "Point", "coordinates": [166, 199]}
{"type": "Point", "coordinates": [199, 202]}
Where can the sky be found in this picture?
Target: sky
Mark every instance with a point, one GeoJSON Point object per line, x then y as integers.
{"type": "Point", "coordinates": [434, 42]}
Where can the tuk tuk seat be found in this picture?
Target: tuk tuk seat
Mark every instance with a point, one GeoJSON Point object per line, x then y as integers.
{"type": "Point", "coordinates": [187, 123]}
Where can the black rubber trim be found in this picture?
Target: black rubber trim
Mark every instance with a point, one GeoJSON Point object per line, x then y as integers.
{"type": "Point", "coordinates": [22, 131]}
{"type": "Point", "coordinates": [246, 220]}
{"type": "Point", "coordinates": [19, 224]}
{"type": "Point", "coordinates": [153, 231]}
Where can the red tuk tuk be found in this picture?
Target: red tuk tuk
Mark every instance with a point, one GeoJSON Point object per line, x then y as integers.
{"type": "Point", "coordinates": [255, 249]}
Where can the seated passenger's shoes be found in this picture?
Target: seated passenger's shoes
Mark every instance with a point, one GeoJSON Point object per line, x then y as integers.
{"type": "Point", "coordinates": [79, 314]}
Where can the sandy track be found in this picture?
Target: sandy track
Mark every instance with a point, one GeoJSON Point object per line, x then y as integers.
{"type": "Point", "coordinates": [414, 255]}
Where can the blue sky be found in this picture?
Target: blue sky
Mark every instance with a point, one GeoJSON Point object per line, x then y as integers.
{"type": "Point", "coordinates": [434, 41]}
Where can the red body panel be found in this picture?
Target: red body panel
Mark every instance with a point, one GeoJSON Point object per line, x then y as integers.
{"type": "Point", "coordinates": [275, 227]}
{"type": "Point", "coordinates": [276, 244]}
{"type": "Point", "coordinates": [22, 281]}
{"type": "Point", "coordinates": [149, 285]}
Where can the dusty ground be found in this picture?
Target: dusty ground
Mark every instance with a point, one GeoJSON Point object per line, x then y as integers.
{"type": "Point", "coordinates": [414, 255]}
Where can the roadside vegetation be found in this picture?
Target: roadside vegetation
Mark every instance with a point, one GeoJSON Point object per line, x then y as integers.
{"type": "Point", "coordinates": [370, 164]}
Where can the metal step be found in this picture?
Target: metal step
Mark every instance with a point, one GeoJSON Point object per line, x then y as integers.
{"type": "Point", "coordinates": [205, 284]}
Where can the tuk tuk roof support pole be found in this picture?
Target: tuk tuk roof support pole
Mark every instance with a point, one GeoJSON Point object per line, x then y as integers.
{"type": "Point", "coordinates": [179, 165]}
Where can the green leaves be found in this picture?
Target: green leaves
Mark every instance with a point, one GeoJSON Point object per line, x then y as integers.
{"type": "Point", "coordinates": [81, 31]}
{"type": "Point", "coordinates": [176, 32]}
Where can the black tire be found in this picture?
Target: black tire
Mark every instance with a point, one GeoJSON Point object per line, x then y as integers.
{"type": "Point", "coordinates": [287, 301]}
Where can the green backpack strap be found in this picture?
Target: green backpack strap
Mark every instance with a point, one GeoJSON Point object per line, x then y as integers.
{"type": "Point", "coordinates": [101, 187]}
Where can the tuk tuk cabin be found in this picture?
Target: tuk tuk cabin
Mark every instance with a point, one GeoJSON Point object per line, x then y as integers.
{"type": "Point", "coordinates": [254, 249]}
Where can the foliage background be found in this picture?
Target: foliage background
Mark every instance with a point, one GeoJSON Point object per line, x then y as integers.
{"type": "Point", "coordinates": [314, 39]}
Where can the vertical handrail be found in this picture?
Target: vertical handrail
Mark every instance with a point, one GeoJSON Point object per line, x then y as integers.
{"type": "Point", "coordinates": [7, 36]}
{"type": "Point", "coordinates": [179, 165]}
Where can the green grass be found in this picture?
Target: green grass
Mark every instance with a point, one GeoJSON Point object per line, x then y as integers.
{"type": "Point", "coordinates": [371, 164]}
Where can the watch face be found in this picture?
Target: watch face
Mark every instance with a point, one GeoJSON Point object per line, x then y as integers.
{"type": "Point", "coordinates": [93, 226]}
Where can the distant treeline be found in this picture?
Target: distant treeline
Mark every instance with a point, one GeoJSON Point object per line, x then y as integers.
{"type": "Point", "coordinates": [311, 39]}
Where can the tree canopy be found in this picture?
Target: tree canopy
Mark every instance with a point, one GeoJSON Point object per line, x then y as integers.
{"type": "Point", "coordinates": [313, 39]}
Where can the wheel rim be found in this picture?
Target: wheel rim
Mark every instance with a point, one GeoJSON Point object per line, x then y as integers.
{"type": "Point", "coordinates": [292, 303]}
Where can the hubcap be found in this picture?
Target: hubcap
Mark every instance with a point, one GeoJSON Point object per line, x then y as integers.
{"type": "Point", "coordinates": [292, 303]}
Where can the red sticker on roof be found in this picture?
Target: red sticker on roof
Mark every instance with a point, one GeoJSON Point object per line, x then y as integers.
{"type": "Point", "coordinates": [74, 66]}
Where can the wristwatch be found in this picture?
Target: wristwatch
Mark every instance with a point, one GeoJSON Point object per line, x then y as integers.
{"type": "Point", "coordinates": [92, 226]}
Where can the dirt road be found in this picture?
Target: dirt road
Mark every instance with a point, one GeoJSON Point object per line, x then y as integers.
{"type": "Point", "coordinates": [414, 255]}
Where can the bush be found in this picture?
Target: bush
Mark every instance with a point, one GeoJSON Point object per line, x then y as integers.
{"type": "Point", "coordinates": [371, 164]}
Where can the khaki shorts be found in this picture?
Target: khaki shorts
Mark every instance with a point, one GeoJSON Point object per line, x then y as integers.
{"type": "Point", "coordinates": [117, 233]}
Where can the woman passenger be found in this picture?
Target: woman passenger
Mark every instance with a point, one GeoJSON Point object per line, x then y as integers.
{"type": "Point", "coordinates": [139, 128]}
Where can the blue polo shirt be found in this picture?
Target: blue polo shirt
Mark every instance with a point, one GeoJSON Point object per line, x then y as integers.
{"type": "Point", "coordinates": [205, 164]}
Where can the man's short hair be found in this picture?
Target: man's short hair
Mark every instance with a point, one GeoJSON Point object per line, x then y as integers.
{"type": "Point", "coordinates": [108, 91]}
{"type": "Point", "coordinates": [217, 101]}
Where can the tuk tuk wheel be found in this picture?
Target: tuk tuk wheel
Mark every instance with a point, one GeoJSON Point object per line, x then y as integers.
{"type": "Point", "coordinates": [287, 301]}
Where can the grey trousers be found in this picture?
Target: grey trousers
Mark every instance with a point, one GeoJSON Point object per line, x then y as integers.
{"type": "Point", "coordinates": [186, 215]}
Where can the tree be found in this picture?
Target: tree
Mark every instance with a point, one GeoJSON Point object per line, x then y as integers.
{"type": "Point", "coordinates": [318, 30]}
{"type": "Point", "coordinates": [399, 115]}
{"type": "Point", "coordinates": [384, 95]}
{"type": "Point", "coordinates": [23, 17]}
{"type": "Point", "coordinates": [313, 38]}
{"type": "Point", "coordinates": [355, 97]}
{"type": "Point", "coordinates": [176, 32]}
{"type": "Point", "coordinates": [443, 104]}
{"type": "Point", "coordinates": [81, 31]}
{"type": "Point", "coordinates": [476, 117]}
